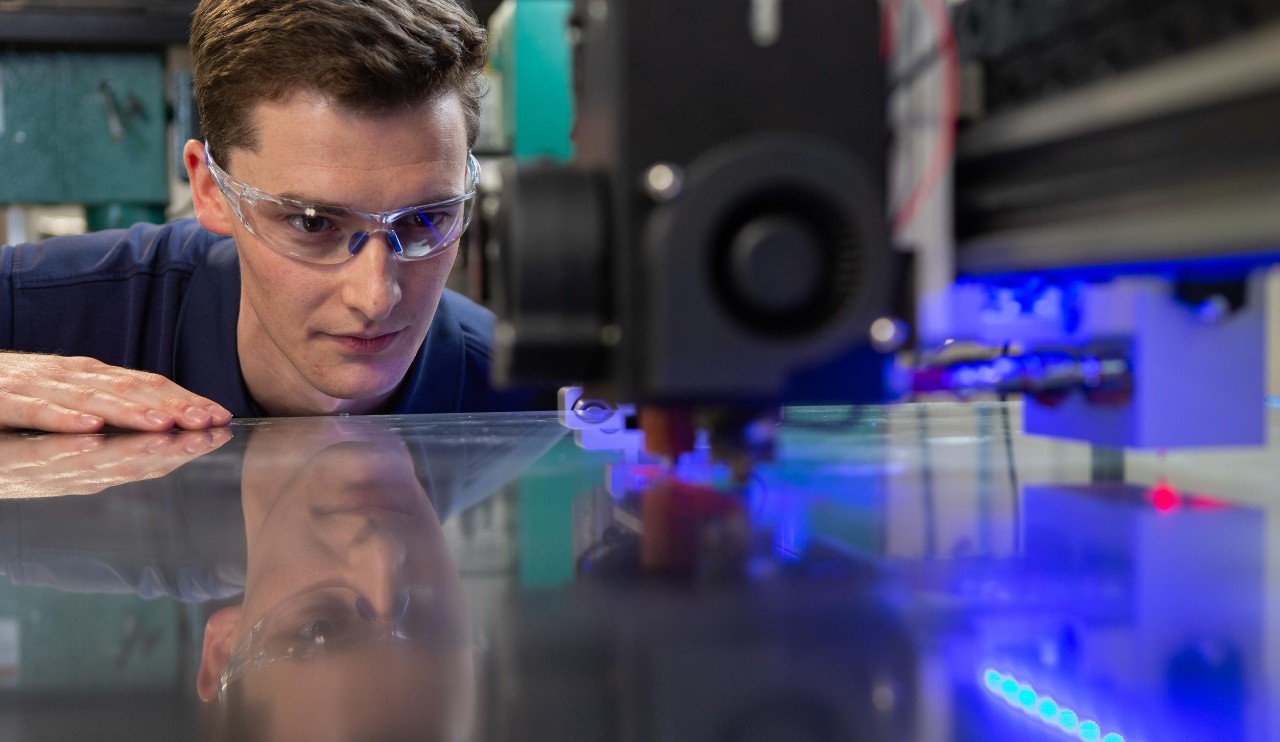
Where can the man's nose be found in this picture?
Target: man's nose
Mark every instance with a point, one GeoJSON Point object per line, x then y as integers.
{"type": "Point", "coordinates": [376, 566]}
{"type": "Point", "coordinates": [371, 282]}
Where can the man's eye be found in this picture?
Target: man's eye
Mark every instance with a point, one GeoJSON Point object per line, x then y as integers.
{"type": "Point", "coordinates": [315, 633]}
{"type": "Point", "coordinates": [309, 222]}
{"type": "Point", "coordinates": [423, 219]}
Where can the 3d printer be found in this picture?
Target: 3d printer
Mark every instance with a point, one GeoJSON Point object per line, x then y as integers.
{"type": "Point", "coordinates": [768, 197]}
{"type": "Point", "coordinates": [764, 192]}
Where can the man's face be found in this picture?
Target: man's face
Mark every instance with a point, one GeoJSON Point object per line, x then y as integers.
{"type": "Point", "coordinates": [317, 339]}
{"type": "Point", "coordinates": [325, 507]}
{"type": "Point", "coordinates": [331, 509]}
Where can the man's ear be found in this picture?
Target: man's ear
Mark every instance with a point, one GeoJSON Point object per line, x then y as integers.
{"type": "Point", "coordinates": [219, 633]}
{"type": "Point", "coordinates": [211, 207]}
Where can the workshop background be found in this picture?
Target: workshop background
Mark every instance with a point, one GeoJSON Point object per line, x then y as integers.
{"type": "Point", "coordinates": [95, 105]}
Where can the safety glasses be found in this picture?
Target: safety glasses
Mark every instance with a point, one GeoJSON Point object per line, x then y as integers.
{"type": "Point", "coordinates": [336, 619]}
{"type": "Point", "coordinates": [329, 235]}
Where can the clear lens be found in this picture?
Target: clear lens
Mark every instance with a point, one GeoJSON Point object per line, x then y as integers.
{"type": "Point", "coordinates": [337, 618]}
{"type": "Point", "coordinates": [424, 230]}
{"type": "Point", "coordinates": [318, 234]}
{"type": "Point", "coordinates": [304, 233]}
{"type": "Point", "coordinates": [325, 236]}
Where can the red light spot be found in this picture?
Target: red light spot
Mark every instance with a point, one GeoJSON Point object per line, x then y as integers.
{"type": "Point", "coordinates": [1204, 503]}
{"type": "Point", "coordinates": [1164, 497]}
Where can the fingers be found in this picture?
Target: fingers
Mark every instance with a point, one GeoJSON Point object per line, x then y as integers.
{"type": "Point", "coordinates": [145, 401]}
{"type": "Point", "coordinates": [81, 395]}
{"type": "Point", "coordinates": [50, 466]}
{"type": "Point", "coordinates": [35, 413]}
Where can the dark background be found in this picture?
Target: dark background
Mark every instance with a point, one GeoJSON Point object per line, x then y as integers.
{"type": "Point", "coordinates": [116, 22]}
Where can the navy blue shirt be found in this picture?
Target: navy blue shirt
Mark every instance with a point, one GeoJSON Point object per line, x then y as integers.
{"type": "Point", "coordinates": [166, 299]}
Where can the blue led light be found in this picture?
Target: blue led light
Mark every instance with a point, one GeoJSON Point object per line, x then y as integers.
{"type": "Point", "coordinates": [1067, 719]}
{"type": "Point", "coordinates": [1222, 268]}
{"type": "Point", "coordinates": [1027, 698]}
{"type": "Point", "coordinates": [1024, 697]}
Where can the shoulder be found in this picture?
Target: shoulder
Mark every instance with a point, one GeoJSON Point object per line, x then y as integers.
{"type": "Point", "coordinates": [110, 255]}
{"type": "Point", "coordinates": [474, 323]}
{"type": "Point", "coordinates": [458, 358]}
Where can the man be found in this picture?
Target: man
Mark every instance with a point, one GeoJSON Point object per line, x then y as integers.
{"type": "Point", "coordinates": [354, 622]}
{"type": "Point", "coordinates": [342, 611]}
{"type": "Point", "coordinates": [330, 193]}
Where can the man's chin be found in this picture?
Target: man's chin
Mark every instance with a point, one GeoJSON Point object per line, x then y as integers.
{"type": "Point", "coordinates": [348, 394]}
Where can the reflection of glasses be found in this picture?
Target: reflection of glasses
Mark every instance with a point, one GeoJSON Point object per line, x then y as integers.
{"type": "Point", "coordinates": [329, 235]}
{"type": "Point", "coordinates": [333, 619]}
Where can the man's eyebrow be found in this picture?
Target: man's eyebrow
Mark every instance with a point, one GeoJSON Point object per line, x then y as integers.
{"type": "Point", "coordinates": [316, 204]}
{"type": "Point", "coordinates": [323, 204]}
{"type": "Point", "coordinates": [303, 198]}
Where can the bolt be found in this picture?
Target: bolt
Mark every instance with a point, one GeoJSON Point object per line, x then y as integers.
{"type": "Point", "coordinates": [598, 10]}
{"type": "Point", "coordinates": [504, 334]}
{"type": "Point", "coordinates": [1214, 309]}
{"type": "Point", "coordinates": [884, 698]}
{"type": "Point", "coordinates": [663, 182]}
{"type": "Point", "coordinates": [610, 335]}
{"type": "Point", "coordinates": [888, 334]}
{"type": "Point", "coordinates": [592, 411]}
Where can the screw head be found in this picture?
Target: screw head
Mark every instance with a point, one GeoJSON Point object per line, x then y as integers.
{"type": "Point", "coordinates": [610, 335]}
{"type": "Point", "coordinates": [1214, 309]}
{"type": "Point", "coordinates": [888, 334]}
{"type": "Point", "coordinates": [884, 698]}
{"type": "Point", "coordinates": [663, 182]}
{"type": "Point", "coordinates": [592, 411]}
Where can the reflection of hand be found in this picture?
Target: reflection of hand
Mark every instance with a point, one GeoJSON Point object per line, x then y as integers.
{"type": "Point", "coordinates": [80, 395]}
{"type": "Point", "coordinates": [54, 465]}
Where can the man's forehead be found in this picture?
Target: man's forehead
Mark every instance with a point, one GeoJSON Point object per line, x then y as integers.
{"type": "Point", "coordinates": [409, 690]}
{"type": "Point", "coordinates": [310, 128]}
{"type": "Point", "coordinates": [311, 150]}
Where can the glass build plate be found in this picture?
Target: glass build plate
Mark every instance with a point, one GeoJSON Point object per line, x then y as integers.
{"type": "Point", "coordinates": [915, 572]}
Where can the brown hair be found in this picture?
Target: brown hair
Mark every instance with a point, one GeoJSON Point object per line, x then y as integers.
{"type": "Point", "coordinates": [368, 56]}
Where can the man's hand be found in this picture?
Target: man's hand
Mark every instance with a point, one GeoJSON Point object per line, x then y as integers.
{"type": "Point", "coordinates": [80, 395]}
{"type": "Point", "coordinates": [34, 466]}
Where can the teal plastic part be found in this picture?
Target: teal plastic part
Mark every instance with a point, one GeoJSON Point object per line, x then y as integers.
{"type": "Point", "coordinates": [533, 58]}
{"type": "Point", "coordinates": [83, 643]}
{"type": "Point", "coordinates": [547, 491]}
{"type": "Point", "coordinates": [30, 164]}
{"type": "Point", "coordinates": [119, 216]}
{"type": "Point", "coordinates": [83, 127]}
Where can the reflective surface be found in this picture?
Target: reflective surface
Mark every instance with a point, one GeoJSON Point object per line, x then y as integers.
{"type": "Point", "coordinates": [900, 573]}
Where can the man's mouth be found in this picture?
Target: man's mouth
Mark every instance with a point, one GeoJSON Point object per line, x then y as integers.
{"type": "Point", "coordinates": [366, 344]}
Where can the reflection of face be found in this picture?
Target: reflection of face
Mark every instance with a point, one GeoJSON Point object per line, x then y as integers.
{"type": "Point", "coordinates": [355, 516]}
{"type": "Point", "coordinates": [352, 519]}
{"type": "Point", "coordinates": [340, 338]}
{"type": "Point", "coordinates": [384, 692]}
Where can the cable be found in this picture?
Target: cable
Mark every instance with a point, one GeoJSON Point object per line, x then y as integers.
{"type": "Point", "coordinates": [922, 64]}
{"type": "Point", "coordinates": [1015, 491]}
{"type": "Point", "coordinates": [944, 147]}
{"type": "Point", "coordinates": [930, 500]}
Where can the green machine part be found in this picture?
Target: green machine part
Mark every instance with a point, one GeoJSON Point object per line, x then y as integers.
{"type": "Point", "coordinates": [533, 61]}
{"type": "Point", "coordinates": [76, 643]}
{"type": "Point", "coordinates": [547, 492]}
{"type": "Point", "coordinates": [86, 128]}
{"type": "Point", "coordinates": [533, 77]}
